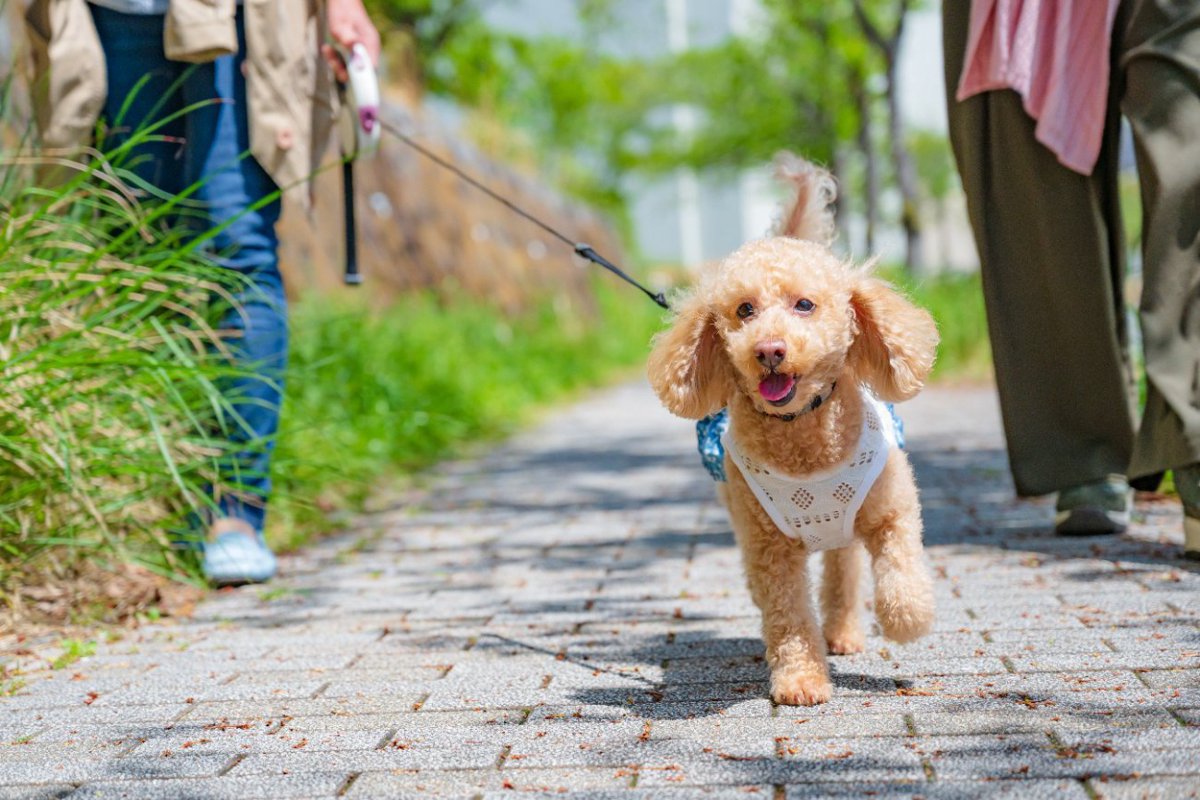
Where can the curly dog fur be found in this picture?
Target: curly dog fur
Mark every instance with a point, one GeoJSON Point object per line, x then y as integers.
{"type": "Point", "coordinates": [745, 322]}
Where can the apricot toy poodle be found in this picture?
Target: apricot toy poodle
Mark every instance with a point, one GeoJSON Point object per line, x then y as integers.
{"type": "Point", "coordinates": [804, 349]}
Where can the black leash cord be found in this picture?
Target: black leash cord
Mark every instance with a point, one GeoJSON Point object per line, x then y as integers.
{"type": "Point", "coordinates": [581, 249]}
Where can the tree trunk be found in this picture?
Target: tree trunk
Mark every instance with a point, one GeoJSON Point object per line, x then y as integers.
{"type": "Point", "coordinates": [906, 175]}
{"type": "Point", "coordinates": [866, 146]}
{"type": "Point", "coordinates": [888, 47]}
{"type": "Point", "coordinates": [837, 167]}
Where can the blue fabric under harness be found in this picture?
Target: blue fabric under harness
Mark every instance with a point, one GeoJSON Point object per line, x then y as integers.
{"type": "Point", "coordinates": [712, 453]}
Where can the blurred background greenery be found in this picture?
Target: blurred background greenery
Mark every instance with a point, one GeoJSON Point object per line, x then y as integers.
{"type": "Point", "coordinates": [603, 95]}
{"type": "Point", "coordinates": [640, 126]}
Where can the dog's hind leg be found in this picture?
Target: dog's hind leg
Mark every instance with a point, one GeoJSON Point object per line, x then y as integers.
{"type": "Point", "coordinates": [723, 494]}
{"type": "Point", "coordinates": [841, 602]}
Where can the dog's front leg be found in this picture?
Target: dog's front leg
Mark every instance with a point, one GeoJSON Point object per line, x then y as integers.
{"type": "Point", "coordinates": [890, 526]}
{"type": "Point", "coordinates": [776, 571]}
{"type": "Point", "coordinates": [795, 646]}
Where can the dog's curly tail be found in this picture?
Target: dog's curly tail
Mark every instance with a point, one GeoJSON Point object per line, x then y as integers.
{"type": "Point", "coordinates": [810, 214]}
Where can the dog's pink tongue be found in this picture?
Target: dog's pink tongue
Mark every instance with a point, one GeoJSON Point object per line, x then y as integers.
{"type": "Point", "coordinates": [775, 386]}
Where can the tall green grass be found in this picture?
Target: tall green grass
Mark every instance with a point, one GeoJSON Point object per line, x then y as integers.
{"type": "Point", "coordinates": [111, 420]}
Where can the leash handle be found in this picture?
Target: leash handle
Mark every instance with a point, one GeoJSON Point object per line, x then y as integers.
{"type": "Point", "coordinates": [363, 100]}
{"type": "Point", "coordinates": [361, 132]}
{"type": "Point", "coordinates": [351, 277]}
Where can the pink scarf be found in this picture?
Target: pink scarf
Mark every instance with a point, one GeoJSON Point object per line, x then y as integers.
{"type": "Point", "coordinates": [1055, 54]}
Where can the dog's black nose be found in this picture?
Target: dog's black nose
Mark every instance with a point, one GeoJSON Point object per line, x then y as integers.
{"type": "Point", "coordinates": [770, 353]}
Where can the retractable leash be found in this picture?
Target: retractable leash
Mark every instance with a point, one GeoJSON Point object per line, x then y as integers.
{"type": "Point", "coordinates": [359, 138]}
{"type": "Point", "coordinates": [364, 115]}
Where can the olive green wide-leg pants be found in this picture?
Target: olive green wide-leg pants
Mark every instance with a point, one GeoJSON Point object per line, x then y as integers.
{"type": "Point", "coordinates": [1052, 254]}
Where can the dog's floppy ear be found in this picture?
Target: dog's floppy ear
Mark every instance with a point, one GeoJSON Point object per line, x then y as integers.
{"type": "Point", "coordinates": [688, 368]}
{"type": "Point", "coordinates": [896, 342]}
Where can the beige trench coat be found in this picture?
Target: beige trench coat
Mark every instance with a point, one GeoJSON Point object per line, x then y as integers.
{"type": "Point", "coordinates": [292, 100]}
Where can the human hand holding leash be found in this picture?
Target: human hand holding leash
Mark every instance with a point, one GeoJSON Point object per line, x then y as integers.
{"type": "Point", "coordinates": [349, 25]}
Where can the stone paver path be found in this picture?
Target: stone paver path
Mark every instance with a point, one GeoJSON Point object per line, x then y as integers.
{"type": "Point", "coordinates": [567, 613]}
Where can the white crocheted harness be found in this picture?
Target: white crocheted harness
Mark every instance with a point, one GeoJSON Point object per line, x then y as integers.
{"type": "Point", "coordinates": [820, 509]}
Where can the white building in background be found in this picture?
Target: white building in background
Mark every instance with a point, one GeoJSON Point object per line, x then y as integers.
{"type": "Point", "coordinates": [695, 216]}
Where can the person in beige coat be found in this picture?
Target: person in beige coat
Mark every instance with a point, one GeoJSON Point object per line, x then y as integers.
{"type": "Point", "coordinates": [271, 67]}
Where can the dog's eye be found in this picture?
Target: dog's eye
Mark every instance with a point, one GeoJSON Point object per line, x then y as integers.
{"type": "Point", "coordinates": [805, 306]}
{"type": "Point", "coordinates": [745, 310]}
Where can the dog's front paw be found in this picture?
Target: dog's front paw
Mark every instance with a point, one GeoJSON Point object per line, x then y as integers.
{"type": "Point", "coordinates": [800, 688]}
{"type": "Point", "coordinates": [904, 605]}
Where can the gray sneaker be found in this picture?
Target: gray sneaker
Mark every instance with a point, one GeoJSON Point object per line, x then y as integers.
{"type": "Point", "coordinates": [1094, 508]}
{"type": "Point", "coordinates": [236, 554]}
{"type": "Point", "coordinates": [1187, 483]}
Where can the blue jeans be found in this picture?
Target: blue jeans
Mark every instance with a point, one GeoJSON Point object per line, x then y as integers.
{"type": "Point", "coordinates": [211, 145]}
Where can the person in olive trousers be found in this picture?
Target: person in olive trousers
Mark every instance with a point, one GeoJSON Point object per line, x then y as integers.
{"type": "Point", "coordinates": [1052, 252]}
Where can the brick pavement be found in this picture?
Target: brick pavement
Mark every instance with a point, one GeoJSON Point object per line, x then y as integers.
{"type": "Point", "coordinates": [567, 613]}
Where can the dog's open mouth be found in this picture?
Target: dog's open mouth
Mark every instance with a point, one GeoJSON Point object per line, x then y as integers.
{"type": "Point", "coordinates": [777, 389]}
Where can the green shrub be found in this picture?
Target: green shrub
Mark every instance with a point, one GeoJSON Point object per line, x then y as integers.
{"type": "Point", "coordinates": [956, 302]}
{"type": "Point", "coordinates": [370, 395]}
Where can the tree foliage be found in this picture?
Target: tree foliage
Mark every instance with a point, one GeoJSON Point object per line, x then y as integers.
{"type": "Point", "coordinates": [430, 23]}
{"type": "Point", "coordinates": [816, 78]}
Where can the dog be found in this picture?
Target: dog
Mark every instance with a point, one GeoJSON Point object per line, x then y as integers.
{"type": "Point", "coordinates": [801, 347]}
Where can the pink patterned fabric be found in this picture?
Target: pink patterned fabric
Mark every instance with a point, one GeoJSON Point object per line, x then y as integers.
{"type": "Point", "coordinates": [1055, 54]}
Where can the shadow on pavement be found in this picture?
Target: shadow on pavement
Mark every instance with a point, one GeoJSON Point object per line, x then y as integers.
{"type": "Point", "coordinates": [968, 500]}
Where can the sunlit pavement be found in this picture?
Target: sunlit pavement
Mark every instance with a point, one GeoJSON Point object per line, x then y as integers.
{"type": "Point", "coordinates": [567, 614]}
